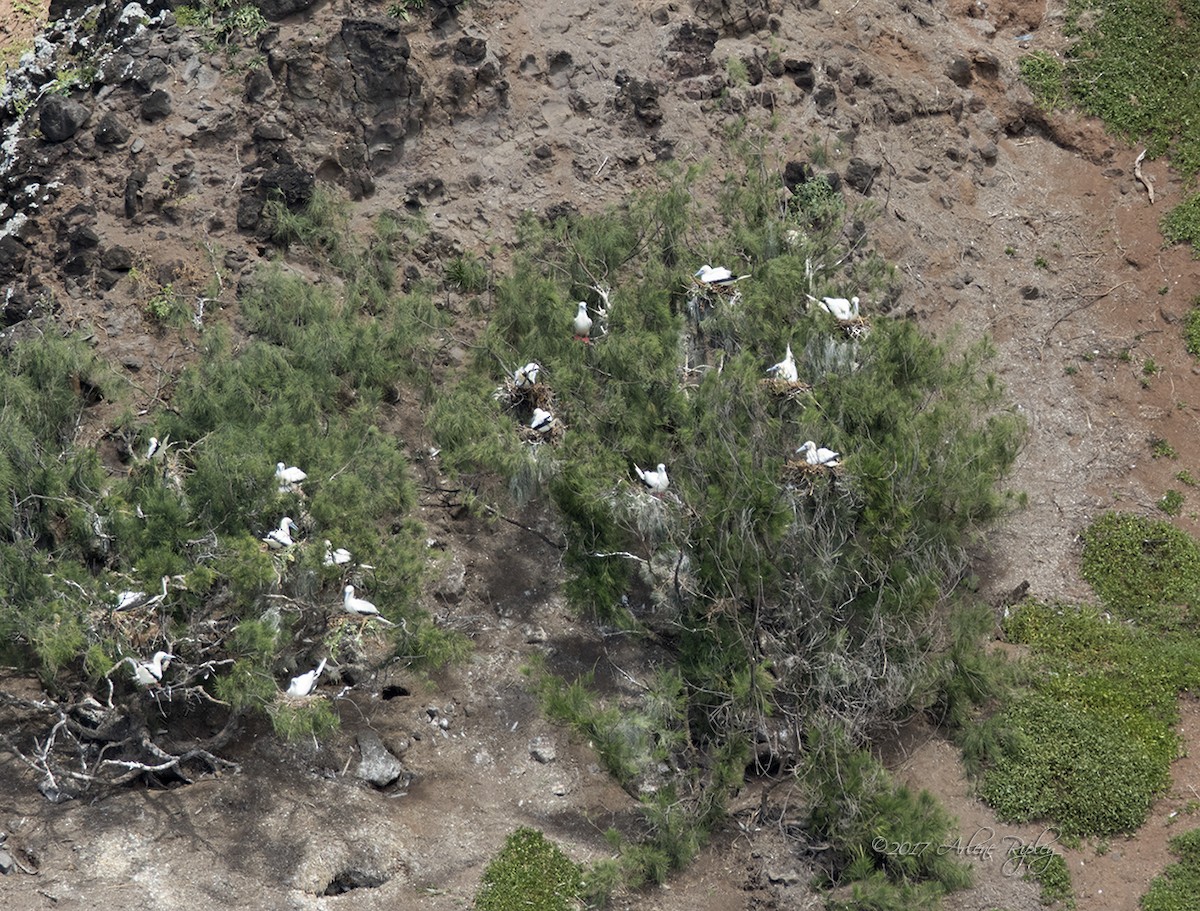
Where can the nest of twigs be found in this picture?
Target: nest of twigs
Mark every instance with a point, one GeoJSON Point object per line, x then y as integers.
{"type": "Point", "coordinates": [856, 327]}
{"type": "Point", "coordinates": [520, 401]}
{"type": "Point", "coordinates": [799, 474]}
{"type": "Point", "coordinates": [786, 390]}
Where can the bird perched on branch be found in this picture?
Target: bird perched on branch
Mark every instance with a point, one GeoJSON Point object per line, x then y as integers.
{"type": "Point", "coordinates": [305, 683]}
{"type": "Point", "coordinates": [785, 369]}
{"type": "Point", "coordinates": [151, 448]}
{"type": "Point", "coordinates": [289, 478]}
{"type": "Point", "coordinates": [656, 480]}
{"type": "Point", "coordinates": [359, 606]}
{"type": "Point", "coordinates": [148, 673]}
{"type": "Point", "coordinates": [542, 421]}
{"type": "Point", "coordinates": [841, 308]}
{"type": "Point", "coordinates": [583, 323]}
{"type": "Point", "coordinates": [819, 455]}
{"type": "Point", "coordinates": [281, 537]}
{"type": "Point", "coordinates": [336, 556]}
{"type": "Point", "coordinates": [527, 376]}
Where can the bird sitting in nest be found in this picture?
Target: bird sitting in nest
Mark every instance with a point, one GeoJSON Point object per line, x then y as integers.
{"type": "Point", "coordinates": [656, 481]}
{"type": "Point", "coordinates": [305, 683]}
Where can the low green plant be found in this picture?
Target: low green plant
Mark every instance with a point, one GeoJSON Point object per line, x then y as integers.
{"type": "Point", "coordinates": [530, 873]}
{"type": "Point", "coordinates": [1171, 503]}
{"type": "Point", "coordinates": [468, 274]}
{"type": "Point", "coordinates": [1150, 367]}
{"type": "Point", "coordinates": [1185, 477]}
{"type": "Point", "coordinates": [1041, 262]}
{"type": "Point", "coordinates": [736, 73]}
{"type": "Point", "coordinates": [1136, 564]}
{"type": "Point", "coordinates": [1176, 888]}
{"type": "Point", "coordinates": [1191, 329]}
{"type": "Point", "coordinates": [1046, 77]}
{"type": "Point", "coordinates": [1161, 449]}
{"type": "Point", "coordinates": [1048, 868]}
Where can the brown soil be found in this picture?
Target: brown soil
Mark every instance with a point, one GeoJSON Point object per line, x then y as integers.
{"type": "Point", "coordinates": [1052, 250]}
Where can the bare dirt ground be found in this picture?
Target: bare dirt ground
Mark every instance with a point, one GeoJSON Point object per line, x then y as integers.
{"type": "Point", "coordinates": [1048, 245]}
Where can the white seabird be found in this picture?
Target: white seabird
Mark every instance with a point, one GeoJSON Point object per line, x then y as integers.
{"type": "Point", "coordinates": [583, 322]}
{"type": "Point", "coordinates": [785, 369]}
{"type": "Point", "coordinates": [707, 275]}
{"type": "Point", "coordinates": [656, 480]}
{"type": "Point", "coordinates": [819, 455]}
{"type": "Point", "coordinates": [542, 421]}
{"type": "Point", "coordinates": [841, 308]}
{"type": "Point", "coordinates": [151, 448]}
{"type": "Point", "coordinates": [129, 599]}
{"type": "Point", "coordinates": [360, 606]}
{"type": "Point", "coordinates": [305, 683]}
{"type": "Point", "coordinates": [148, 673]}
{"type": "Point", "coordinates": [528, 375]}
{"type": "Point", "coordinates": [289, 477]}
{"type": "Point", "coordinates": [281, 537]}
{"type": "Point", "coordinates": [335, 556]}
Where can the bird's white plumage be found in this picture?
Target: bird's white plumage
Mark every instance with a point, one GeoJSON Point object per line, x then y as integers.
{"type": "Point", "coordinates": [527, 376]}
{"type": "Point", "coordinates": [542, 420]}
{"type": "Point", "coordinates": [151, 448]}
{"type": "Point", "coordinates": [288, 476]}
{"type": "Point", "coordinates": [129, 599]}
{"type": "Point", "coordinates": [148, 673]}
{"type": "Point", "coordinates": [840, 307]}
{"type": "Point", "coordinates": [785, 369]}
{"type": "Point", "coordinates": [304, 684]}
{"type": "Point", "coordinates": [819, 455]}
{"type": "Point", "coordinates": [281, 537]}
{"type": "Point", "coordinates": [356, 605]}
{"type": "Point", "coordinates": [708, 275]}
{"type": "Point", "coordinates": [336, 556]}
{"type": "Point", "coordinates": [583, 322]}
{"type": "Point", "coordinates": [655, 480]}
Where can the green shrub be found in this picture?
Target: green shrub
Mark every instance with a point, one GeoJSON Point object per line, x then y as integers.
{"type": "Point", "coordinates": [1049, 869]}
{"type": "Point", "coordinates": [530, 873]}
{"type": "Point", "coordinates": [1177, 887]}
{"type": "Point", "coordinates": [1191, 329]}
{"type": "Point", "coordinates": [1046, 77]}
{"type": "Point", "coordinates": [1137, 565]}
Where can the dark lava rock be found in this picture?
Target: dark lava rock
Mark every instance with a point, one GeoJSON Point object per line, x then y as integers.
{"type": "Point", "coordinates": [152, 71]}
{"type": "Point", "coordinates": [281, 9]}
{"type": "Point", "coordinates": [134, 184]}
{"type": "Point", "coordinates": [796, 173]}
{"type": "Point", "coordinates": [60, 118]}
{"type": "Point", "coordinates": [825, 98]}
{"type": "Point", "coordinates": [293, 184]}
{"type": "Point", "coordinates": [117, 259]}
{"type": "Point", "coordinates": [860, 174]}
{"type": "Point", "coordinates": [959, 71]}
{"type": "Point", "coordinates": [640, 96]}
{"type": "Point", "coordinates": [470, 51]}
{"type": "Point", "coordinates": [12, 257]}
{"type": "Point", "coordinates": [156, 105]}
{"type": "Point", "coordinates": [110, 131]}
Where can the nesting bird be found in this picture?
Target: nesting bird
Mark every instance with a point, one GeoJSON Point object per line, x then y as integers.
{"type": "Point", "coordinates": [841, 308]}
{"type": "Point", "coordinates": [542, 421]}
{"type": "Point", "coordinates": [289, 478]}
{"type": "Point", "coordinates": [335, 556]}
{"type": "Point", "coordinates": [786, 369]}
{"type": "Point", "coordinates": [148, 673]}
{"type": "Point", "coordinates": [707, 275]}
{"type": "Point", "coordinates": [281, 537]}
{"type": "Point", "coordinates": [656, 481]}
{"type": "Point", "coordinates": [527, 376]}
{"type": "Point", "coordinates": [359, 606]}
{"type": "Point", "coordinates": [151, 448]}
{"type": "Point", "coordinates": [583, 323]}
{"type": "Point", "coordinates": [129, 599]}
{"type": "Point", "coordinates": [304, 684]}
{"type": "Point", "coordinates": [819, 455]}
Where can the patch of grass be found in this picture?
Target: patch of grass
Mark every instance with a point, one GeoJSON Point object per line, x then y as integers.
{"type": "Point", "coordinates": [1182, 224]}
{"type": "Point", "coordinates": [530, 873]}
{"type": "Point", "coordinates": [1161, 449]}
{"type": "Point", "coordinates": [1049, 869]}
{"type": "Point", "coordinates": [1191, 329]}
{"type": "Point", "coordinates": [1185, 477]}
{"type": "Point", "coordinates": [1136, 565]}
{"type": "Point", "coordinates": [1171, 503]}
{"type": "Point", "coordinates": [468, 274]}
{"type": "Point", "coordinates": [1177, 887]}
{"type": "Point", "coordinates": [1151, 367]}
{"type": "Point", "coordinates": [1046, 77]}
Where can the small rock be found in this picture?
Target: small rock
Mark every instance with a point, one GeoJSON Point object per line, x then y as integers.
{"type": "Point", "coordinates": [156, 105]}
{"type": "Point", "coordinates": [110, 131]}
{"type": "Point", "coordinates": [543, 749]}
{"type": "Point", "coordinates": [7, 864]}
{"type": "Point", "coordinates": [117, 258]}
{"type": "Point", "coordinates": [152, 71]}
{"type": "Point", "coordinates": [959, 71]}
{"type": "Point", "coordinates": [784, 877]}
{"type": "Point", "coordinates": [271, 131]}
{"type": "Point", "coordinates": [860, 174]}
{"type": "Point", "coordinates": [452, 584]}
{"type": "Point", "coordinates": [60, 118]}
{"type": "Point", "coordinates": [377, 765]}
